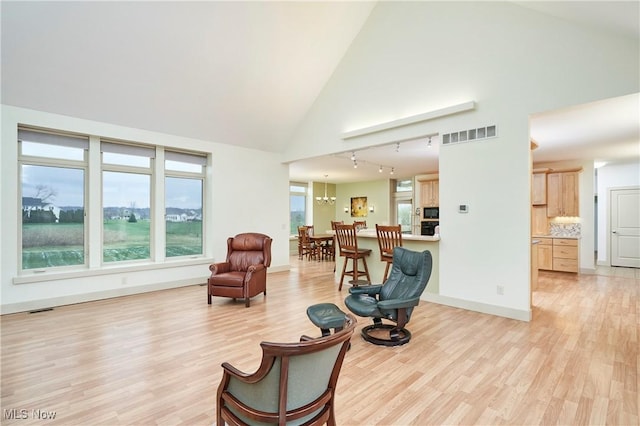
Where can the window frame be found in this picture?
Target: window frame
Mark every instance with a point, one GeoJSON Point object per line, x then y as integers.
{"type": "Point", "coordinates": [182, 174]}
{"type": "Point", "coordinates": [92, 167]}
{"type": "Point", "coordinates": [48, 138]}
{"type": "Point", "coordinates": [305, 194]}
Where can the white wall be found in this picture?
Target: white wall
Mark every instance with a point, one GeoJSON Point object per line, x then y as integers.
{"type": "Point", "coordinates": [236, 203]}
{"type": "Point", "coordinates": [611, 176]}
{"type": "Point", "coordinates": [416, 57]}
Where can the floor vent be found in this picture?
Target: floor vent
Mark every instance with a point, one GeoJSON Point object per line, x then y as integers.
{"type": "Point", "coordinates": [470, 135]}
{"type": "Point", "coordinates": [37, 311]}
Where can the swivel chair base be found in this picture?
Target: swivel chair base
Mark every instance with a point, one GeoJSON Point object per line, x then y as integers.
{"type": "Point", "coordinates": [396, 337]}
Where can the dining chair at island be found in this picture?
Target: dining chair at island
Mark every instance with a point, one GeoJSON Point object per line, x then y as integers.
{"type": "Point", "coordinates": [348, 246]}
{"type": "Point", "coordinates": [389, 237]}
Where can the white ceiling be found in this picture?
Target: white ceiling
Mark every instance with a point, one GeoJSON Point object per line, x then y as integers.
{"type": "Point", "coordinates": [246, 73]}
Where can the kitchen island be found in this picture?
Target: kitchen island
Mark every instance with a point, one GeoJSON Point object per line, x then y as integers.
{"type": "Point", "coordinates": [367, 239]}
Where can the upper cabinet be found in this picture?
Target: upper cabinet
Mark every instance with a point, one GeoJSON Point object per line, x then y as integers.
{"type": "Point", "coordinates": [562, 194]}
{"type": "Point", "coordinates": [430, 193]}
{"type": "Point", "coordinates": [539, 188]}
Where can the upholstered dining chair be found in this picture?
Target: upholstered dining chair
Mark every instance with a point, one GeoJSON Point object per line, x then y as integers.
{"type": "Point", "coordinates": [294, 385]}
{"type": "Point", "coordinates": [244, 273]}
{"type": "Point", "coordinates": [394, 300]}
{"type": "Point", "coordinates": [389, 236]}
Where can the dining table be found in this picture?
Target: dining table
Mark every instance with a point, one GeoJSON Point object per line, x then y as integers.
{"type": "Point", "coordinates": [323, 241]}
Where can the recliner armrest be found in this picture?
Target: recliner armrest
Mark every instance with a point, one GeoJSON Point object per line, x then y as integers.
{"type": "Point", "coordinates": [254, 268]}
{"type": "Point", "coordinates": [219, 268]}
{"type": "Point", "coordinates": [366, 289]}
{"type": "Point", "coordinates": [398, 303]}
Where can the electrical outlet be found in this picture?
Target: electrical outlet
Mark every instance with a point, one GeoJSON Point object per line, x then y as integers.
{"type": "Point", "coordinates": [500, 290]}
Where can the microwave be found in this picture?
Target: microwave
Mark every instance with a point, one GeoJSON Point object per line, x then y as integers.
{"type": "Point", "coordinates": [431, 213]}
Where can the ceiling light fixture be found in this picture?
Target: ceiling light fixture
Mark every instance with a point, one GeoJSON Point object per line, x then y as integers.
{"type": "Point", "coordinates": [325, 199]}
{"type": "Point", "coordinates": [380, 169]}
{"type": "Point", "coordinates": [429, 143]}
{"type": "Point", "coordinates": [392, 170]}
{"type": "Point", "coordinates": [397, 146]}
{"type": "Point", "coordinates": [353, 156]}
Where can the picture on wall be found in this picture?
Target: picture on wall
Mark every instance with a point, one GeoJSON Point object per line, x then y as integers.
{"type": "Point", "coordinates": [359, 207]}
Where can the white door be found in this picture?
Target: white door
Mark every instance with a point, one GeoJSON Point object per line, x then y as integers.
{"type": "Point", "coordinates": [625, 227]}
{"type": "Point", "coordinates": [404, 214]}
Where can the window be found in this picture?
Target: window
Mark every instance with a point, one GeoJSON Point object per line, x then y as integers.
{"type": "Point", "coordinates": [52, 175]}
{"type": "Point", "coordinates": [60, 176]}
{"type": "Point", "coordinates": [297, 205]}
{"type": "Point", "coordinates": [404, 185]}
{"type": "Point", "coordinates": [184, 183]}
{"type": "Point", "coordinates": [126, 202]}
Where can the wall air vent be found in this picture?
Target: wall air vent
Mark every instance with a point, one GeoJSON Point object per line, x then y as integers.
{"type": "Point", "coordinates": [470, 135]}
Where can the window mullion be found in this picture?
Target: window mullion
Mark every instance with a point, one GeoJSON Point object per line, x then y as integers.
{"type": "Point", "coordinates": [94, 204]}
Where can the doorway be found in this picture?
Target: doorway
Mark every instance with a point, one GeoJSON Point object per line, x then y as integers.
{"type": "Point", "coordinates": [624, 237]}
{"type": "Point", "coordinates": [404, 209]}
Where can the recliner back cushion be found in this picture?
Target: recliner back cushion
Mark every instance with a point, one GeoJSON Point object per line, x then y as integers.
{"type": "Point", "coordinates": [247, 242]}
{"type": "Point", "coordinates": [409, 275]}
{"type": "Point", "coordinates": [241, 260]}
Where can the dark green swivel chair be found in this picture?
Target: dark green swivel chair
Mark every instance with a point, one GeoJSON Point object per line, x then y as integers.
{"type": "Point", "coordinates": [394, 300]}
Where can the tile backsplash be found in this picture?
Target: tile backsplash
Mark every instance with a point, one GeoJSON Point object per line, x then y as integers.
{"type": "Point", "coordinates": [564, 229]}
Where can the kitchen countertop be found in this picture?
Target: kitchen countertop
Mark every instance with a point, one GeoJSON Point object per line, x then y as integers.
{"type": "Point", "coordinates": [371, 233]}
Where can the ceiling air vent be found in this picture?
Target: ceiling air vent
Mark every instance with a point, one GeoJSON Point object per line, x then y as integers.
{"type": "Point", "coordinates": [470, 135]}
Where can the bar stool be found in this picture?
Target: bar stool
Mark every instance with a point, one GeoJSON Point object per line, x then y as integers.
{"type": "Point", "coordinates": [389, 236]}
{"type": "Point", "coordinates": [348, 243]}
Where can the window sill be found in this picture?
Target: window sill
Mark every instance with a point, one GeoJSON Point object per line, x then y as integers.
{"type": "Point", "coordinates": [109, 270]}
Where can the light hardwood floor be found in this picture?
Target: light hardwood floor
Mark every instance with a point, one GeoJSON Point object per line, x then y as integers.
{"type": "Point", "coordinates": [155, 358]}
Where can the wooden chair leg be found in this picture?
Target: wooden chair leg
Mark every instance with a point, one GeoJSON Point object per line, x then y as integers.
{"type": "Point", "coordinates": [344, 268]}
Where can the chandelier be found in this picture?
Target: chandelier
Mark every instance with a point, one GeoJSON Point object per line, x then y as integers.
{"type": "Point", "coordinates": [325, 199]}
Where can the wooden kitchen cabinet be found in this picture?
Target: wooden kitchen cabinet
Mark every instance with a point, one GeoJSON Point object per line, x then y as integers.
{"type": "Point", "coordinates": [539, 221]}
{"type": "Point", "coordinates": [565, 254]}
{"type": "Point", "coordinates": [558, 254]}
{"type": "Point", "coordinates": [539, 188]}
{"type": "Point", "coordinates": [562, 194]}
{"type": "Point", "coordinates": [545, 253]}
{"type": "Point", "coordinates": [430, 193]}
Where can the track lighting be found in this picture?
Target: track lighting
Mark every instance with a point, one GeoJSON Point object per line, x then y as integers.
{"type": "Point", "coordinates": [397, 146]}
{"type": "Point", "coordinates": [353, 156]}
{"type": "Point", "coordinates": [392, 170]}
{"type": "Point", "coordinates": [429, 143]}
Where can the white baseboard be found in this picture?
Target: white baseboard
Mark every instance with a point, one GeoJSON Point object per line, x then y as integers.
{"type": "Point", "coordinates": [53, 302]}
{"type": "Point", "coordinates": [501, 311]}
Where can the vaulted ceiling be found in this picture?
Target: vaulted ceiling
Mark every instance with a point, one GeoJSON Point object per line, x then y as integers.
{"type": "Point", "coordinates": [246, 73]}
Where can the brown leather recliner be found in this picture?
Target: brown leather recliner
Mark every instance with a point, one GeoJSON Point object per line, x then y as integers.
{"type": "Point", "coordinates": [244, 274]}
